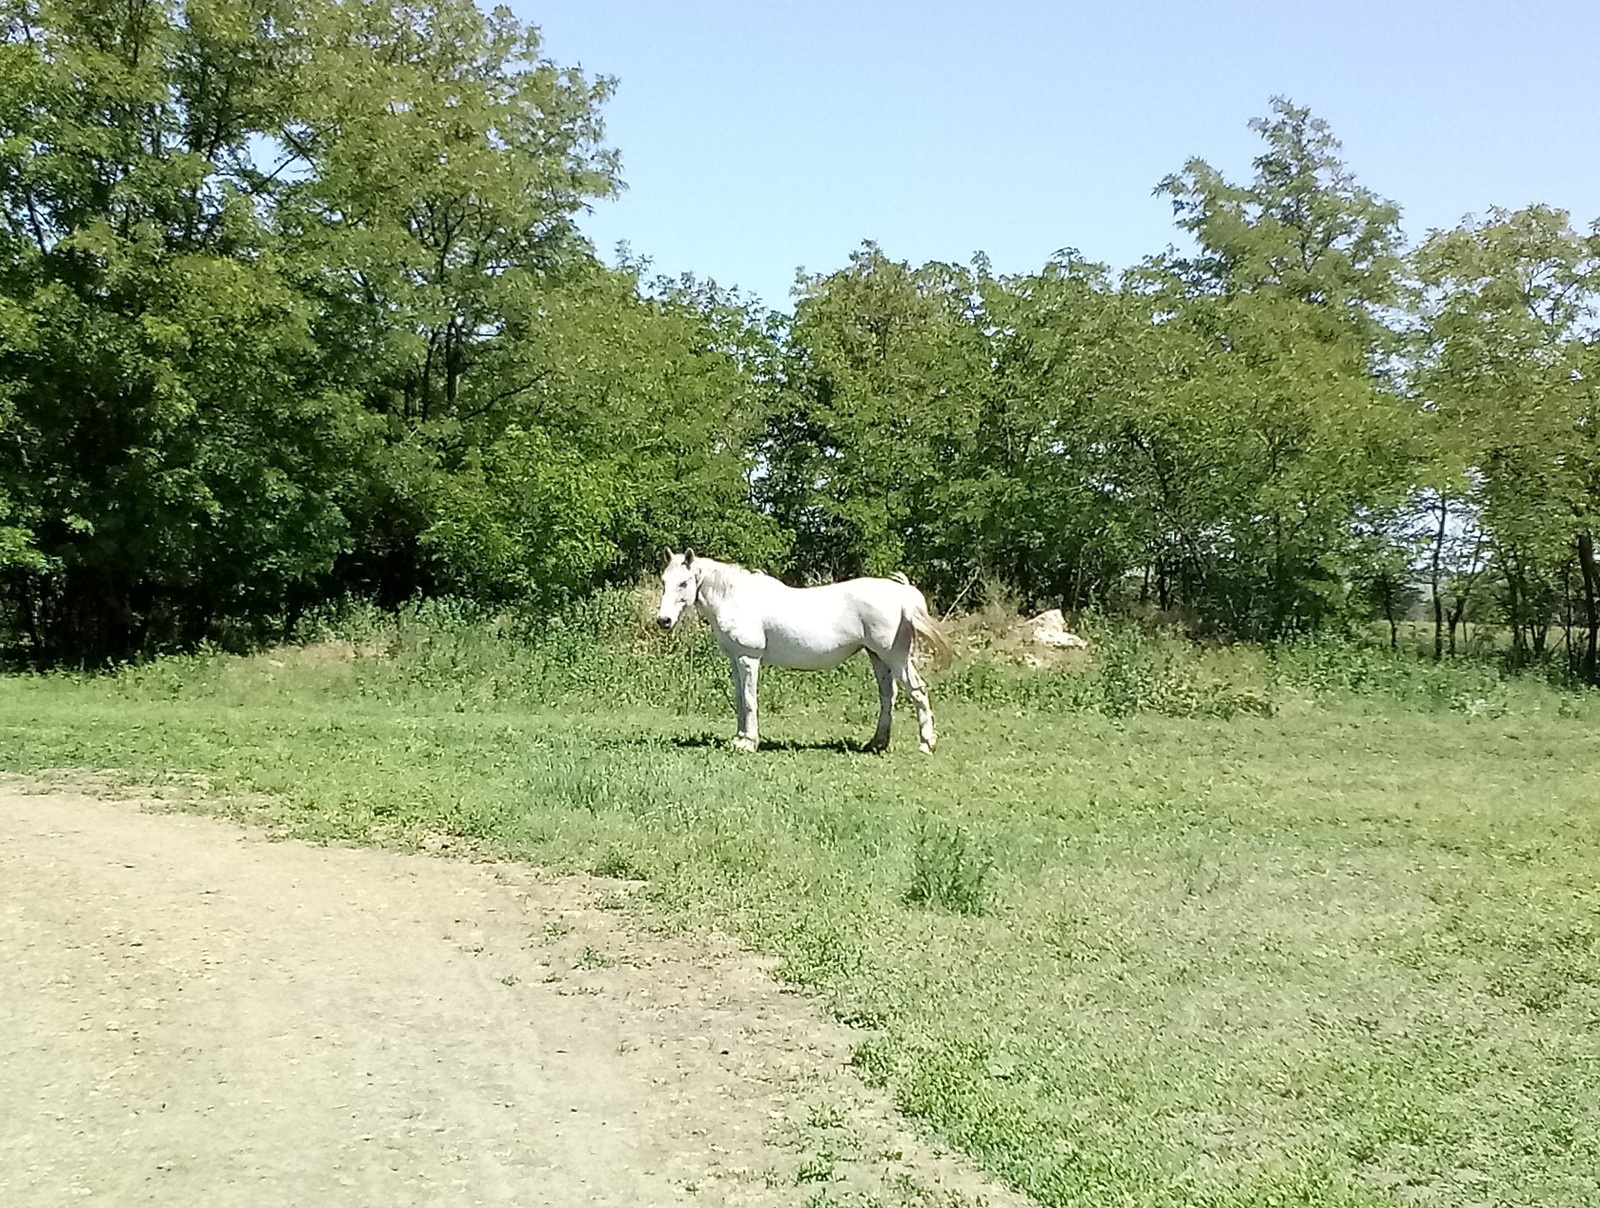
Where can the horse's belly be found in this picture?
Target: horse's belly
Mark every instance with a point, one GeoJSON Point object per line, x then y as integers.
{"type": "Point", "coordinates": [808, 651]}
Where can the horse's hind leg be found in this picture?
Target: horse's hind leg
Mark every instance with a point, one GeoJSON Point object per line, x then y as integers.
{"type": "Point", "coordinates": [917, 690]}
{"type": "Point", "coordinates": [886, 690]}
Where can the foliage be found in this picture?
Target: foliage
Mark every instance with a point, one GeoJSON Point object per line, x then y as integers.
{"type": "Point", "coordinates": [295, 305]}
{"type": "Point", "coordinates": [875, 396]}
{"type": "Point", "coordinates": [1211, 425]}
{"type": "Point", "coordinates": [1509, 308]}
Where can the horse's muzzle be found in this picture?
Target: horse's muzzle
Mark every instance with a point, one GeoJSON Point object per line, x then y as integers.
{"type": "Point", "coordinates": [664, 622]}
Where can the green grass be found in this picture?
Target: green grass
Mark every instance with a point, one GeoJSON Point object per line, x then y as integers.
{"type": "Point", "coordinates": [1186, 930]}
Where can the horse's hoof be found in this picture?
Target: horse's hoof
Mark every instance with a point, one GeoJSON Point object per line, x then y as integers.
{"type": "Point", "coordinates": [742, 743]}
{"type": "Point", "coordinates": [877, 746]}
{"type": "Point", "coordinates": [927, 747]}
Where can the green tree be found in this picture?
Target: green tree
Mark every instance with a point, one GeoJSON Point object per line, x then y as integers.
{"type": "Point", "coordinates": [1509, 370]}
{"type": "Point", "coordinates": [174, 449]}
{"type": "Point", "coordinates": [265, 264]}
{"type": "Point", "coordinates": [427, 183]}
{"type": "Point", "coordinates": [635, 433]}
{"type": "Point", "coordinates": [1288, 293]}
{"type": "Point", "coordinates": [1043, 490]}
{"type": "Point", "coordinates": [877, 393]}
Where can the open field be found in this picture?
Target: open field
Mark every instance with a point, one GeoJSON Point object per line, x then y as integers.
{"type": "Point", "coordinates": [1225, 935]}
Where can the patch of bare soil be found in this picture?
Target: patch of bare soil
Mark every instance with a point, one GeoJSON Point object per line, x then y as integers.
{"type": "Point", "coordinates": [191, 1013]}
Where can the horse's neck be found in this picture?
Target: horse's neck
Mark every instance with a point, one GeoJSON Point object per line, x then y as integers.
{"type": "Point", "coordinates": [718, 583]}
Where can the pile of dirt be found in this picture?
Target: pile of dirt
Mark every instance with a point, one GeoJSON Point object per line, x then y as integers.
{"type": "Point", "coordinates": [1050, 629]}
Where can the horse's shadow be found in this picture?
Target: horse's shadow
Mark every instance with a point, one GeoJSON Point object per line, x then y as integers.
{"type": "Point", "coordinates": [838, 746]}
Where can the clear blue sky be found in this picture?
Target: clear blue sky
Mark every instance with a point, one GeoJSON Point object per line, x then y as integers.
{"type": "Point", "coordinates": [760, 136]}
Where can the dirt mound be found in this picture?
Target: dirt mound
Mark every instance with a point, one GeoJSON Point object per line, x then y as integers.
{"type": "Point", "coordinates": [1050, 629]}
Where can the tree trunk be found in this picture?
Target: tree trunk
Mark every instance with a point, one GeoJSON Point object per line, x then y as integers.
{"type": "Point", "coordinates": [1591, 606]}
{"type": "Point", "coordinates": [1519, 640]}
{"type": "Point", "coordinates": [1566, 621]}
{"type": "Point", "coordinates": [1438, 601]}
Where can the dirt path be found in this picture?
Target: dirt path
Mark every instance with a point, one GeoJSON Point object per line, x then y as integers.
{"type": "Point", "coordinates": [190, 1013]}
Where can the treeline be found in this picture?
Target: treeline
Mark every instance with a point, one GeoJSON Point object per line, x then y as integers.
{"type": "Point", "coordinates": [295, 304]}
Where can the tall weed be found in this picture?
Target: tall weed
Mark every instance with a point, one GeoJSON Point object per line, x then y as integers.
{"type": "Point", "coordinates": [1331, 665]}
{"type": "Point", "coordinates": [605, 653]}
{"type": "Point", "coordinates": [949, 869]}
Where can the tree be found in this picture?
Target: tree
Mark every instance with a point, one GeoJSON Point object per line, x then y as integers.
{"type": "Point", "coordinates": [1044, 489]}
{"type": "Point", "coordinates": [433, 166]}
{"type": "Point", "coordinates": [878, 392]}
{"type": "Point", "coordinates": [1509, 369]}
{"type": "Point", "coordinates": [1289, 289]}
{"type": "Point", "coordinates": [1382, 566]}
{"type": "Point", "coordinates": [260, 260]}
{"type": "Point", "coordinates": [636, 434]}
{"type": "Point", "coordinates": [165, 488]}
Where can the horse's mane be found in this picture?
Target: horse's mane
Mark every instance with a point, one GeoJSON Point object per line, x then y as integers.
{"type": "Point", "coordinates": [717, 577]}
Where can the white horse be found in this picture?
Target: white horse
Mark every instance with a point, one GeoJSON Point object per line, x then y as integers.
{"type": "Point", "coordinates": [760, 620]}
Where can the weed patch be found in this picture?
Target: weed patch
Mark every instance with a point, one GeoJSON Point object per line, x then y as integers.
{"type": "Point", "coordinates": [949, 869]}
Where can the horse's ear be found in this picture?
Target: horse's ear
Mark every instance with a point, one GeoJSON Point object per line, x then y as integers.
{"type": "Point", "coordinates": [688, 557]}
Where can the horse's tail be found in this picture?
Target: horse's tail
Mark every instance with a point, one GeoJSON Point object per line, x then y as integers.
{"type": "Point", "coordinates": [928, 634]}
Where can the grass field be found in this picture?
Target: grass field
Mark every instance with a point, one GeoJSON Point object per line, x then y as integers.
{"type": "Point", "coordinates": [1180, 929]}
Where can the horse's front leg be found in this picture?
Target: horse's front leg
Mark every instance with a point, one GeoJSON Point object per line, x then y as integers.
{"type": "Point", "coordinates": [746, 671]}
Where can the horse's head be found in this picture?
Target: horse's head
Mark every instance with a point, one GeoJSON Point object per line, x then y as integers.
{"type": "Point", "coordinates": [680, 583]}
